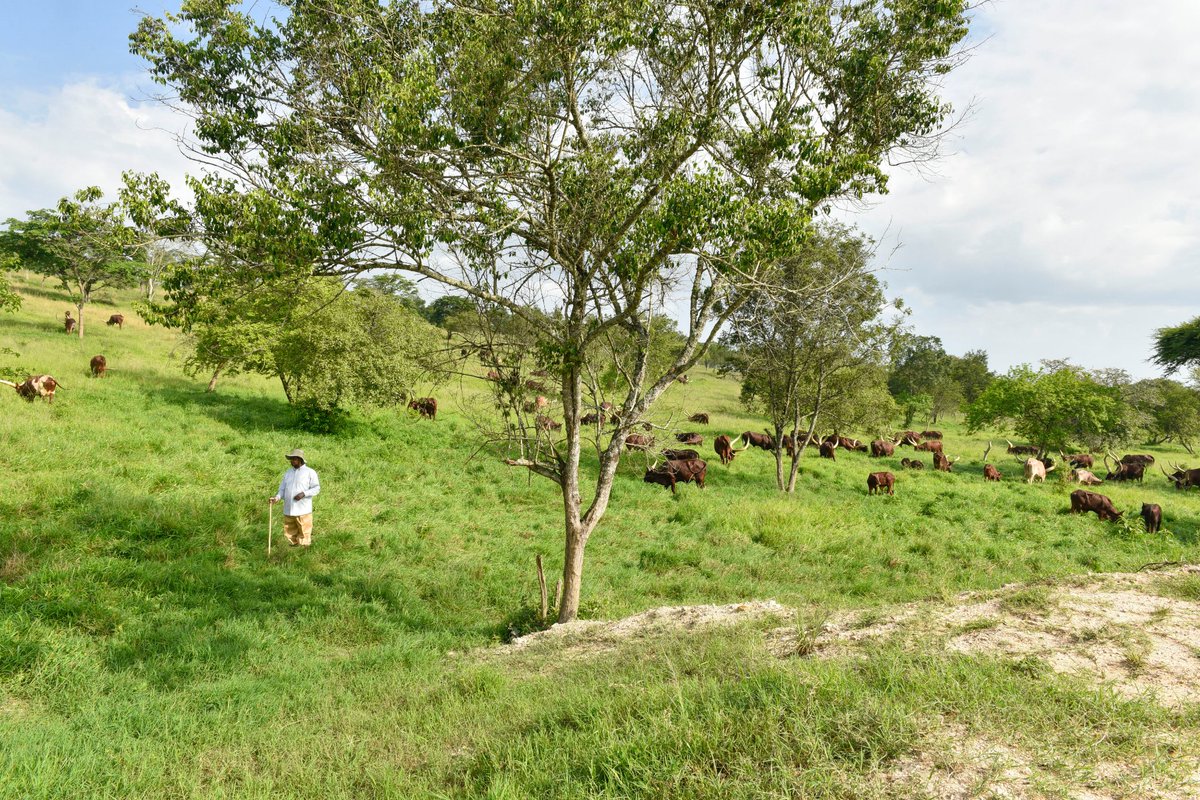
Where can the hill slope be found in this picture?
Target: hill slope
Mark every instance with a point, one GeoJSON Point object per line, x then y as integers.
{"type": "Point", "coordinates": [149, 648]}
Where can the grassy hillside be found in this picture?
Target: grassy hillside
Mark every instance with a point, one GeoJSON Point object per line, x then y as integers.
{"type": "Point", "coordinates": [149, 648]}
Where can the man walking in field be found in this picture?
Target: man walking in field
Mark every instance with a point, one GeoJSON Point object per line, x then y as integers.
{"type": "Point", "coordinates": [296, 491]}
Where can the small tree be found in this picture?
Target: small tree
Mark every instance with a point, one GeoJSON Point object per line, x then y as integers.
{"type": "Point", "coordinates": [1166, 411]}
{"type": "Point", "coordinates": [9, 300]}
{"type": "Point", "coordinates": [921, 374]}
{"type": "Point", "coordinates": [812, 360]}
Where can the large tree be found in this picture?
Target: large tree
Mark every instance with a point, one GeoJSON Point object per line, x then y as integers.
{"type": "Point", "coordinates": [586, 160]}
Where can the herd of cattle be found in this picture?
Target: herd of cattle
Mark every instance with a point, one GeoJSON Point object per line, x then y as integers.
{"type": "Point", "coordinates": [44, 386]}
{"type": "Point", "coordinates": [686, 466]}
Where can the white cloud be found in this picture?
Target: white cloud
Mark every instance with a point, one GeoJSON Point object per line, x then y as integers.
{"type": "Point", "coordinates": [1070, 197]}
{"type": "Point", "coordinates": [83, 134]}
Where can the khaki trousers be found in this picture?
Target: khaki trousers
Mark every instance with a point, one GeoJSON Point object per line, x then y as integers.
{"type": "Point", "coordinates": [298, 529]}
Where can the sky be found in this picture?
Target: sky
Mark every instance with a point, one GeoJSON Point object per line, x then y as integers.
{"type": "Point", "coordinates": [1061, 222]}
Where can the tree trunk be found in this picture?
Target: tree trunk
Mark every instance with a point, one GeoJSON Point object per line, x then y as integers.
{"type": "Point", "coordinates": [577, 531]}
{"type": "Point", "coordinates": [779, 457]}
{"type": "Point", "coordinates": [79, 322]}
{"type": "Point", "coordinates": [801, 444]}
{"type": "Point", "coordinates": [212, 382]}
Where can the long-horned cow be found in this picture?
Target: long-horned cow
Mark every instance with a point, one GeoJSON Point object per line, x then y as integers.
{"type": "Point", "coordinates": [829, 450]}
{"type": "Point", "coordinates": [1035, 470]}
{"type": "Point", "coordinates": [1124, 471]}
{"type": "Point", "coordinates": [673, 472]}
{"type": "Point", "coordinates": [943, 464]}
{"type": "Point", "coordinates": [699, 419]}
{"type": "Point", "coordinates": [99, 365]}
{"type": "Point", "coordinates": [1021, 449]}
{"type": "Point", "coordinates": [689, 438]}
{"type": "Point", "coordinates": [1083, 501]}
{"type": "Point", "coordinates": [882, 447]}
{"type": "Point", "coordinates": [933, 446]}
{"type": "Point", "coordinates": [35, 386]}
{"type": "Point", "coordinates": [724, 448]}
{"type": "Point", "coordinates": [1183, 478]}
{"type": "Point", "coordinates": [637, 441]}
{"type": "Point", "coordinates": [116, 319]}
{"type": "Point", "coordinates": [1152, 516]}
{"type": "Point", "coordinates": [763, 441]}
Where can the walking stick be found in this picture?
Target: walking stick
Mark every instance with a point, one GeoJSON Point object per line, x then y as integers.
{"type": "Point", "coordinates": [270, 525]}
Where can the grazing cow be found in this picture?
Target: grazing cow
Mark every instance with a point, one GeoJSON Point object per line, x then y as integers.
{"type": "Point", "coordinates": [1152, 516]}
{"type": "Point", "coordinates": [673, 472]}
{"type": "Point", "coordinates": [829, 450]}
{"type": "Point", "coordinates": [426, 407]}
{"type": "Point", "coordinates": [878, 481]}
{"type": "Point", "coordinates": [492, 375]}
{"type": "Point", "coordinates": [1084, 477]}
{"type": "Point", "coordinates": [606, 406]}
{"type": "Point", "coordinates": [683, 379]}
{"type": "Point", "coordinates": [535, 386]}
{"type": "Point", "coordinates": [99, 365]}
{"type": "Point", "coordinates": [689, 438]}
{"type": "Point", "coordinates": [846, 443]}
{"type": "Point", "coordinates": [763, 441]}
{"type": "Point", "coordinates": [724, 448]}
{"type": "Point", "coordinates": [636, 441]}
{"type": "Point", "coordinates": [990, 473]}
{"type": "Point", "coordinates": [699, 419]}
{"type": "Point", "coordinates": [1182, 477]}
{"type": "Point", "coordinates": [680, 455]}
{"type": "Point", "coordinates": [943, 464]}
{"type": "Point", "coordinates": [1048, 463]}
{"type": "Point", "coordinates": [882, 447]}
{"type": "Point", "coordinates": [1035, 470]}
{"type": "Point", "coordinates": [1125, 471]}
{"type": "Point", "coordinates": [69, 323]}
{"type": "Point", "coordinates": [912, 463]}
{"type": "Point", "coordinates": [929, 447]}
{"type": "Point", "coordinates": [545, 423]}
{"type": "Point", "coordinates": [35, 386]}
{"type": "Point", "coordinates": [1142, 460]}
{"type": "Point", "coordinates": [594, 418]}
{"type": "Point", "coordinates": [1021, 449]}
{"type": "Point", "coordinates": [909, 438]}
{"type": "Point", "coordinates": [931, 434]}
{"type": "Point", "coordinates": [539, 373]}
{"type": "Point", "coordinates": [116, 319]}
{"type": "Point", "coordinates": [1083, 501]}
{"type": "Point", "coordinates": [1079, 460]}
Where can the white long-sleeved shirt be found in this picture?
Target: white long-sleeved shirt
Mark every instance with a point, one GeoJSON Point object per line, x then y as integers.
{"type": "Point", "coordinates": [296, 480]}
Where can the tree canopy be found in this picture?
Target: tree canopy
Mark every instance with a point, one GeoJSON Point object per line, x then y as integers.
{"type": "Point", "coordinates": [584, 160]}
{"type": "Point", "coordinates": [1178, 346]}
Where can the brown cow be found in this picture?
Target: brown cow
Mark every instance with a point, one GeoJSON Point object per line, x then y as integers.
{"type": "Point", "coordinates": [877, 481]}
{"type": "Point", "coordinates": [426, 407]}
{"type": "Point", "coordinates": [689, 438]}
{"type": "Point", "coordinates": [69, 323]}
{"type": "Point", "coordinates": [636, 441]}
{"type": "Point", "coordinates": [680, 455]}
{"type": "Point", "coordinates": [912, 463]}
{"type": "Point", "coordinates": [1182, 477]}
{"type": "Point", "coordinates": [699, 419]}
{"type": "Point", "coordinates": [1144, 459]}
{"type": "Point", "coordinates": [594, 418]}
{"type": "Point", "coordinates": [929, 447]}
{"type": "Point", "coordinates": [1021, 449]}
{"type": "Point", "coordinates": [1083, 501]}
{"type": "Point", "coordinates": [545, 423]}
{"type": "Point", "coordinates": [931, 434]}
{"type": "Point", "coordinates": [990, 473]}
{"type": "Point", "coordinates": [492, 375]}
{"type": "Point", "coordinates": [882, 447]}
{"type": "Point", "coordinates": [1125, 471]}
{"type": "Point", "coordinates": [116, 319]}
{"type": "Point", "coordinates": [35, 386]}
{"type": "Point", "coordinates": [1079, 460]}
{"type": "Point", "coordinates": [683, 379]}
{"type": "Point", "coordinates": [943, 464]}
{"type": "Point", "coordinates": [535, 386]}
{"type": "Point", "coordinates": [99, 365]}
{"type": "Point", "coordinates": [724, 448]}
{"type": "Point", "coordinates": [908, 438]}
{"type": "Point", "coordinates": [829, 450]}
{"type": "Point", "coordinates": [1152, 516]}
{"type": "Point", "coordinates": [673, 472]}
{"type": "Point", "coordinates": [846, 443]}
{"type": "Point", "coordinates": [763, 441]}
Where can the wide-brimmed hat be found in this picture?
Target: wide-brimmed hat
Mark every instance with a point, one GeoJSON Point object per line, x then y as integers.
{"type": "Point", "coordinates": [297, 453]}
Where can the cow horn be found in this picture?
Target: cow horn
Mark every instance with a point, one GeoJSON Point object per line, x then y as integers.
{"type": "Point", "coordinates": [955, 461]}
{"type": "Point", "coordinates": [1163, 471]}
{"type": "Point", "coordinates": [1010, 444]}
{"type": "Point", "coordinates": [835, 444]}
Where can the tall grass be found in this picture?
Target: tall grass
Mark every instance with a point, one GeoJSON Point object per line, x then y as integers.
{"type": "Point", "coordinates": [148, 646]}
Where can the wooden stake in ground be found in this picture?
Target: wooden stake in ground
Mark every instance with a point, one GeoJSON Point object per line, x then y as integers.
{"type": "Point", "coordinates": [542, 586]}
{"type": "Point", "coordinates": [270, 525]}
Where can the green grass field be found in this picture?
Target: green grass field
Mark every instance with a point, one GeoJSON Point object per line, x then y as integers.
{"type": "Point", "coordinates": [149, 648]}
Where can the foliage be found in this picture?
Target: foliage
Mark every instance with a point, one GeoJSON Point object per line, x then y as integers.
{"type": "Point", "coordinates": [921, 370]}
{"type": "Point", "coordinates": [585, 161]}
{"type": "Point", "coordinates": [1055, 410]}
{"type": "Point", "coordinates": [87, 245]}
{"type": "Point", "coordinates": [447, 307]}
{"type": "Point", "coordinates": [9, 299]}
{"type": "Point", "coordinates": [1167, 411]}
{"type": "Point", "coordinates": [970, 371]}
{"type": "Point", "coordinates": [1177, 346]}
{"type": "Point", "coordinates": [395, 286]}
